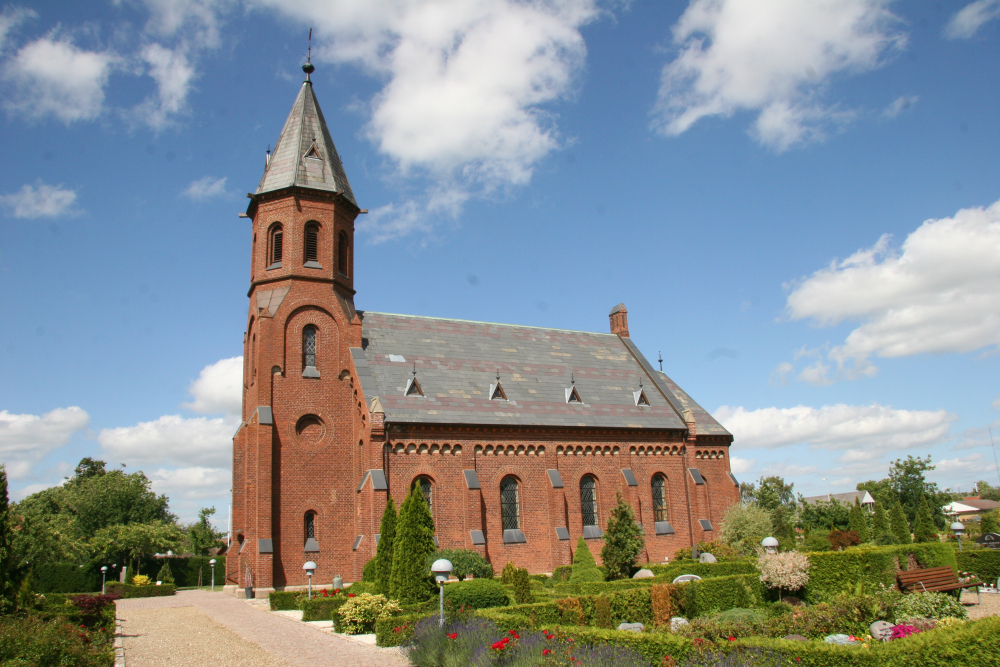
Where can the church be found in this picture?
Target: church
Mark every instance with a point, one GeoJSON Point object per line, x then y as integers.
{"type": "Point", "coordinates": [521, 437]}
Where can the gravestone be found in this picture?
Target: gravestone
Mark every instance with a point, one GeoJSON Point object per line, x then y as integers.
{"type": "Point", "coordinates": [631, 627]}
{"type": "Point", "coordinates": [989, 540]}
{"type": "Point", "coordinates": [881, 630]}
{"type": "Point", "coordinates": [686, 577]}
{"type": "Point", "coordinates": [841, 640]}
{"type": "Point", "coordinates": [795, 638]}
{"type": "Point", "coordinates": [643, 574]}
{"type": "Point", "coordinates": [707, 558]}
{"type": "Point", "coordinates": [677, 622]}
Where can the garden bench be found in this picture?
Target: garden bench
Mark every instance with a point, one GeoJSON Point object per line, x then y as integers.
{"type": "Point", "coordinates": [933, 579]}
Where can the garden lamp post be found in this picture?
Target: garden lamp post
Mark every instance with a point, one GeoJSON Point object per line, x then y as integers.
{"type": "Point", "coordinates": [958, 529]}
{"type": "Point", "coordinates": [770, 545]}
{"type": "Point", "coordinates": [104, 573]}
{"type": "Point", "coordinates": [310, 568]}
{"type": "Point", "coordinates": [442, 570]}
{"type": "Point", "coordinates": [212, 563]}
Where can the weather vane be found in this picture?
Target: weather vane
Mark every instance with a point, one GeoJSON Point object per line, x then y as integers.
{"type": "Point", "coordinates": [308, 67]}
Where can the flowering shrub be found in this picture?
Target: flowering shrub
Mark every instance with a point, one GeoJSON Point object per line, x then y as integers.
{"type": "Point", "coordinates": [902, 631]}
{"type": "Point", "coordinates": [359, 614]}
{"type": "Point", "coordinates": [788, 570]}
{"type": "Point", "coordinates": [927, 605]}
{"type": "Point", "coordinates": [141, 580]}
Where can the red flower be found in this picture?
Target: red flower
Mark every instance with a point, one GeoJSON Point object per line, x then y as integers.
{"type": "Point", "coordinates": [395, 630]}
{"type": "Point", "coordinates": [351, 595]}
{"type": "Point", "coordinates": [546, 651]}
{"type": "Point", "coordinates": [505, 640]}
{"type": "Point", "coordinates": [453, 635]}
{"type": "Point", "coordinates": [514, 634]}
{"type": "Point", "coordinates": [498, 646]}
{"type": "Point", "coordinates": [732, 639]}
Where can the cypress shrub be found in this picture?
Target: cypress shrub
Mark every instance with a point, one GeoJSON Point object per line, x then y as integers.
{"type": "Point", "coordinates": [508, 574]}
{"type": "Point", "coordinates": [410, 581]}
{"type": "Point", "coordinates": [858, 522]}
{"type": "Point", "coordinates": [584, 565]}
{"type": "Point", "coordinates": [164, 574]}
{"type": "Point", "coordinates": [522, 587]}
{"type": "Point", "coordinates": [880, 523]}
{"type": "Point", "coordinates": [923, 527]}
{"type": "Point", "coordinates": [382, 570]}
{"type": "Point", "coordinates": [602, 613]}
{"type": "Point", "coordinates": [623, 542]}
{"type": "Point", "coordinates": [900, 527]}
{"type": "Point", "coordinates": [10, 573]}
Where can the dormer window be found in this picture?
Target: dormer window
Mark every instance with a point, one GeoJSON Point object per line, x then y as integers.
{"type": "Point", "coordinates": [312, 246]}
{"type": "Point", "coordinates": [640, 396]}
{"type": "Point", "coordinates": [496, 390]}
{"type": "Point", "coordinates": [412, 386]}
{"type": "Point", "coordinates": [274, 246]}
{"type": "Point", "coordinates": [572, 395]}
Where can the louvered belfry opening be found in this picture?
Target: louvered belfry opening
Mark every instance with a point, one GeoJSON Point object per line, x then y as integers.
{"type": "Point", "coordinates": [312, 243]}
{"type": "Point", "coordinates": [510, 511]}
{"type": "Point", "coordinates": [276, 242]}
{"type": "Point", "coordinates": [342, 253]}
{"type": "Point", "coordinates": [588, 500]}
{"type": "Point", "coordinates": [659, 498]}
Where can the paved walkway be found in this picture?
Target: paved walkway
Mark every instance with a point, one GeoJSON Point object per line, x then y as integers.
{"type": "Point", "coordinates": [200, 628]}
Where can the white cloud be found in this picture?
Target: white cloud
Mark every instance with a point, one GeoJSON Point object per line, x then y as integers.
{"type": "Point", "coordinates": [996, 403]}
{"type": "Point", "coordinates": [939, 293]}
{"type": "Point", "coordinates": [836, 427]}
{"type": "Point", "coordinates": [774, 57]}
{"type": "Point", "coordinates": [193, 483]}
{"type": "Point", "coordinates": [967, 20]}
{"type": "Point", "coordinates": [43, 201]}
{"type": "Point", "coordinates": [197, 20]}
{"type": "Point", "coordinates": [219, 388]}
{"type": "Point", "coordinates": [11, 18]}
{"type": "Point", "coordinates": [786, 469]}
{"type": "Point", "coordinates": [183, 441]}
{"type": "Point", "coordinates": [899, 105]}
{"type": "Point", "coordinates": [974, 464]}
{"type": "Point", "coordinates": [173, 75]}
{"type": "Point", "coordinates": [25, 438]}
{"type": "Point", "coordinates": [54, 77]}
{"type": "Point", "coordinates": [465, 86]}
{"type": "Point", "coordinates": [206, 188]}
{"type": "Point", "coordinates": [739, 466]}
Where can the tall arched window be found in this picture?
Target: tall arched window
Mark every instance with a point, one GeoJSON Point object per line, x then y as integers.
{"type": "Point", "coordinates": [342, 253]}
{"type": "Point", "coordinates": [312, 243]}
{"type": "Point", "coordinates": [510, 507]}
{"type": "Point", "coordinates": [426, 488]}
{"type": "Point", "coordinates": [659, 498]}
{"type": "Point", "coordinates": [310, 525]}
{"type": "Point", "coordinates": [588, 500]}
{"type": "Point", "coordinates": [274, 247]}
{"type": "Point", "coordinates": [309, 346]}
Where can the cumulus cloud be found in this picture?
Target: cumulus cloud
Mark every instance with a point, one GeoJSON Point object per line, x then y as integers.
{"type": "Point", "coordinates": [193, 483]}
{"type": "Point", "coordinates": [197, 20]}
{"type": "Point", "coordinates": [26, 438]}
{"type": "Point", "coordinates": [172, 439]}
{"type": "Point", "coordinates": [206, 188]}
{"type": "Point", "coordinates": [218, 389]}
{"type": "Point", "coordinates": [940, 292]}
{"type": "Point", "coordinates": [173, 74]}
{"type": "Point", "coordinates": [849, 428]}
{"type": "Point", "coordinates": [51, 76]}
{"type": "Point", "coordinates": [465, 87]}
{"type": "Point", "coordinates": [899, 105]}
{"type": "Point", "coordinates": [968, 20]}
{"type": "Point", "coordinates": [772, 57]}
{"type": "Point", "coordinates": [40, 201]}
{"type": "Point", "coordinates": [739, 465]}
{"type": "Point", "coordinates": [11, 18]}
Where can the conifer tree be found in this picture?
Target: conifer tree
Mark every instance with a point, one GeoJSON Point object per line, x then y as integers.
{"type": "Point", "coordinates": [880, 527]}
{"type": "Point", "coordinates": [923, 527]}
{"type": "Point", "coordinates": [858, 522]}
{"type": "Point", "coordinates": [900, 527]}
{"type": "Point", "coordinates": [386, 545]}
{"type": "Point", "coordinates": [584, 566]}
{"type": "Point", "coordinates": [410, 580]}
{"type": "Point", "coordinates": [9, 570]}
{"type": "Point", "coordinates": [988, 522]}
{"type": "Point", "coordinates": [623, 542]}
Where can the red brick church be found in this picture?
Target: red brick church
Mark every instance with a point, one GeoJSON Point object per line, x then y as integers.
{"type": "Point", "coordinates": [520, 436]}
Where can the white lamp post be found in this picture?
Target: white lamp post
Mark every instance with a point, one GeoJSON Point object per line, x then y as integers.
{"type": "Point", "coordinates": [442, 570]}
{"type": "Point", "coordinates": [310, 568]}
{"type": "Point", "coordinates": [104, 573]}
{"type": "Point", "coordinates": [212, 563]}
{"type": "Point", "coordinates": [958, 529]}
{"type": "Point", "coordinates": [770, 545]}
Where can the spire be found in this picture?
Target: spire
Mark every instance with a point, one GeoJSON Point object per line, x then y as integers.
{"type": "Point", "coordinates": [305, 155]}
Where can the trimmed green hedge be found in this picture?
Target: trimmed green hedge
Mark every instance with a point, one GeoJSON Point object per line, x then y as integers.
{"type": "Point", "coordinates": [66, 578]}
{"type": "Point", "coordinates": [396, 630]}
{"type": "Point", "coordinates": [721, 593]}
{"type": "Point", "coordinates": [476, 594]}
{"type": "Point", "coordinates": [984, 563]}
{"type": "Point", "coordinates": [285, 600]}
{"type": "Point", "coordinates": [670, 571]}
{"type": "Point", "coordinates": [834, 572]}
{"type": "Point", "coordinates": [321, 608]}
{"type": "Point", "coordinates": [130, 591]}
{"type": "Point", "coordinates": [598, 587]}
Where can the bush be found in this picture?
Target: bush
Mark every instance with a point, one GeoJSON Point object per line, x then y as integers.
{"type": "Point", "coordinates": [623, 542]}
{"type": "Point", "coordinates": [720, 593]}
{"type": "Point", "coordinates": [670, 571]}
{"type": "Point", "coordinates": [466, 563]}
{"type": "Point", "coordinates": [788, 570]}
{"type": "Point", "coordinates": [141, 580]}
{"type": "Point", "coordinates": [368, 572]}
{"type": "Point", "coordinates": [841, 539]}
{"type": "Point", "coordinates": [984, 563]}
{"type": "Point", "coordinates": [164, 574]}
{"type": "Point", "coordinates": [816, 540]}
{"type": "Point", "coordinates": [561, 574]}
{"type": "Point", "coordinates": [285, 600]}
{"type": "Point", "coordinates": [130, 591]}
{"type": "Point", "coordinates": [584, 566]}
{"type": "Point", "coordinates": [913, 606]}
{"type": "Point", "coordinates": [864, 569]}
{"type": "Point", "coordinates": [33, 642]}
{"type": "Point", "coordinates": [738, 614]}
{"type": "Point", "coordinates": [66, 578]}
{"type": "Point", "coordinates": [359, 614]}
{"type": "Point", "coordinates": [522, 587]}
{"type": "Point", "coordinates": [665, 601]}
{"type": "Point", "coordinates": [475, 594]}
{"type": "Point", "coordinates": [720, 550]}
{"type": "Point", "coordinates": [321, 608]}
{"type": "Point", "coordinates": [410, 580]}
{"type": "Point", "coordinates": [508, 573]}
{"type": "Point", "coordinates": [744, 526]}
{"type": "Point", "coordinates": [361, 587]}
{"type": "Point", "coordinates": [396, 630]}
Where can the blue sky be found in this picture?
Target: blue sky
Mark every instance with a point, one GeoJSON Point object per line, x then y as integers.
{"type": "Point", "coordinates": [797, 204]}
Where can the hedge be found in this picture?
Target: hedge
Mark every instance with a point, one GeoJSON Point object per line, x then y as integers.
{"type": "Point", "coordinates": [396, 630]}
{"type": "Point", "coordinates": [66, 578]}
{"type": "Point", "coordinates": [476, 594]}
{"type": "Point", "coordinates": [130, 591]}
{"type": "Point", "coordinates": [670, 571]}
{"type": "Point", "coordinates": [865, 568]}
{"type": "Point", "coordinates": [598, 587]}
{"type": "Point", "coordinates": [285, 600]}
{"type": "Point", "coordinates": [721, 593]}
{"type": "Point", "coordinates": [321, 608]}
{"type": "Point", "coordinates": [984, 563]}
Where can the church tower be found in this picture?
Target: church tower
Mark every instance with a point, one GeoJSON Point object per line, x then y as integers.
{"type": "Point", "coordinates": [296, 450]}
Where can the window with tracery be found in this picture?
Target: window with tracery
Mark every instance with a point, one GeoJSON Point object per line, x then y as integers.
{"type": "Point", "coordinates": [309, 347]}
{"type": "Point", "coordinates": [588, 500]}
{"type": "Point", "coordinates": [310, 525]}
{"type": "Point", "coordinates": [427, 489]}
{"type": "Point", "coordinates": [659, 498]}
{"type": "Point", "coordinates": [510, 508]}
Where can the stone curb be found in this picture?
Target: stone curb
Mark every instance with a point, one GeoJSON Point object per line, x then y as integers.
{"type": "Point", "coordinates": [119, 643]}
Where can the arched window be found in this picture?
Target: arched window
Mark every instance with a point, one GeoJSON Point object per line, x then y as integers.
{"type": "Point", "coordinates": [510, 508]}
{"type": "Point", "coordinates": [309, 347]}
{"type": "Point", "coordinates": [312, 243]}
{"type": "Point", "coordinates": [274, 247]}
{"type": "Point", "coordinates": [310, 525]}
{"type": "Point", "coordinates": [342, 253]}
{"type": "Point", "coordinates": [425, 488]}
{"type": "Point", "coordinates": [588, 500]}
{"type": "Point", "coordinates": [659, 498]}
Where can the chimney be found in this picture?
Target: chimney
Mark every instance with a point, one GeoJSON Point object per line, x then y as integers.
{"type": "Point", "coordinates": [619, 320]}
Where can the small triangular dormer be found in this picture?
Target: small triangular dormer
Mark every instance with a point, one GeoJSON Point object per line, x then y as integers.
{"type": "Point", "coordinates": [413, 388]}
{"type": "Point", "coordinates": [497, 393]}
{"type": "Point", "coordinates": [640, 398]}
{"type": "Point", "coordinates": [572, 395]}
{"type": "Point", "coordinates": [313, 152]}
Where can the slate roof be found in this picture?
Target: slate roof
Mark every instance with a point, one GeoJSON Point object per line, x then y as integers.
{"type": "Point", "coordinates": [847, 497]}
{"type": "Point", "coordinates": [306, 134]}
{"type": "Point", "coordinates": [457, 362]}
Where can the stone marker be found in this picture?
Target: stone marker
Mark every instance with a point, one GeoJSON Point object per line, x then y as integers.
{"type": "Point", "coordinates": [795, 638]}
{"type": "Point", "coordinates": [707, 558]}
{"type": "Point", "coordinates": [643, 574]}
{"type": "Point", "coordinates": [842, 640]}
{"type": "Point", "coordinates": [677, 622]}
{"type": "Point", "coordinates": [631, 627]}
{"type": "Point", "coordinates": [881, 630]}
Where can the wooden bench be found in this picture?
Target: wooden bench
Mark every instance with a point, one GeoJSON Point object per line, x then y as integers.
{"type": "Point", "coordinates": [933, 579]}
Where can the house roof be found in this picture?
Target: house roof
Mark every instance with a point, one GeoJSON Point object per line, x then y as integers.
{"type": "Point", "coordinates": [305, 155]}
{"type": "Point", "coordinates": [863, 497]}
{"type": "Point", "coordinates": [980, 503]}
{"type": "Point", "coordinates": [960, 508]}
{"type": "Point", "coordinates": [457, 363]}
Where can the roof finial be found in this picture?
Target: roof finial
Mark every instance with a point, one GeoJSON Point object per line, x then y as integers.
{"type": "Point", "coordinates": [308, 67]}
{"type": "Point", "coordinates": [414, 370]}
{"type": "Point", "coordinates": [661, 361]}
{"type": "Point", "coordinates": [572, 379]}
{"type": "Point", "coordinates": [640, 384]}
{"type": "Point", "coordinates": [498, 376]}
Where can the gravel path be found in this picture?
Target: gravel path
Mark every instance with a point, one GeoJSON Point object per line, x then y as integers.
{"type": "Point", "coordinates": [989, 607]}
{"type": "Point", "coordinates": [199, 628]}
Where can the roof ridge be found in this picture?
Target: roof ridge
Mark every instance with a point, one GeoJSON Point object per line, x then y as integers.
{"type": "Point", "coordinates": [498, 324]}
